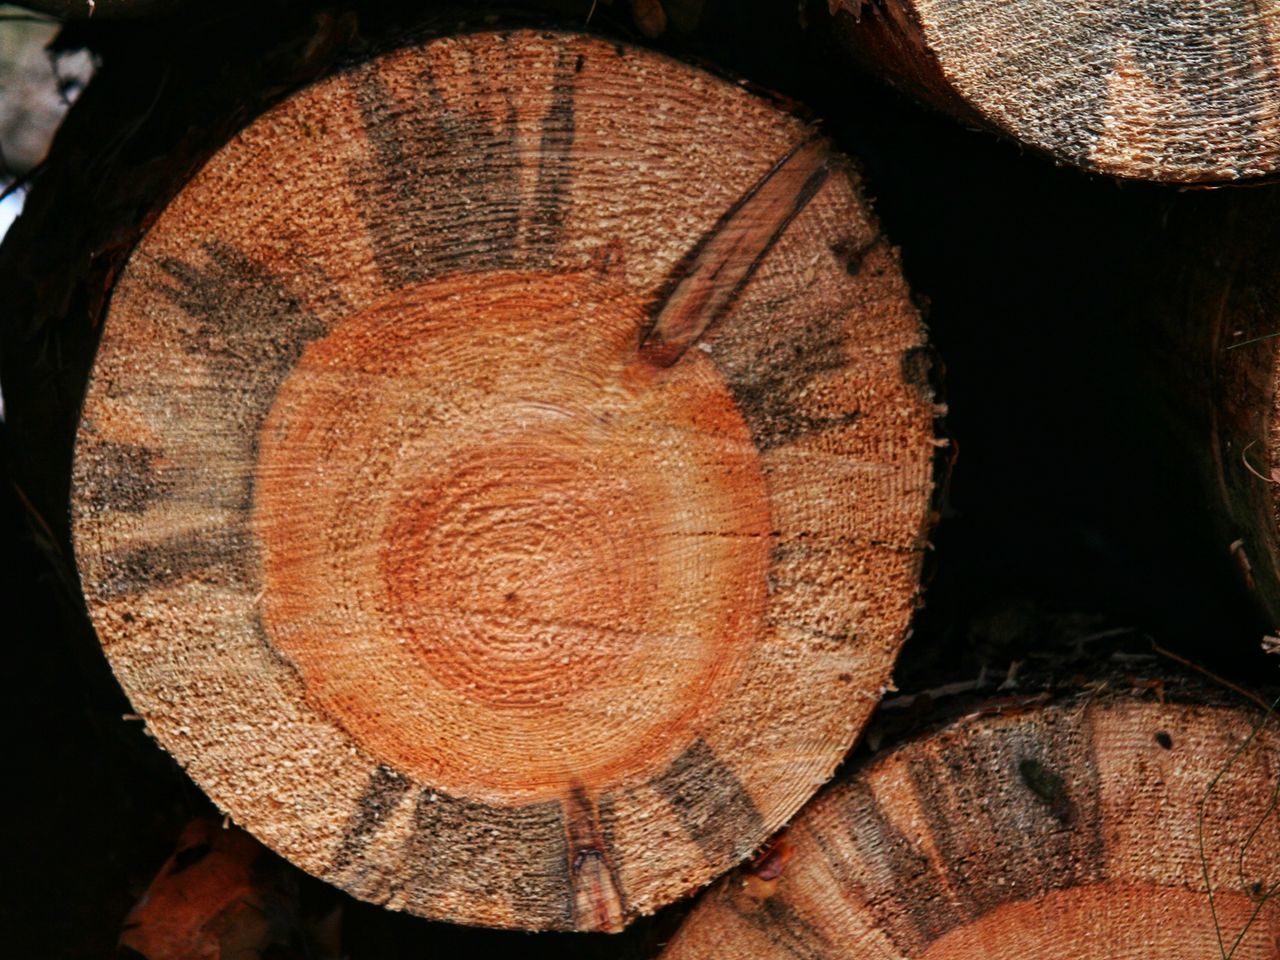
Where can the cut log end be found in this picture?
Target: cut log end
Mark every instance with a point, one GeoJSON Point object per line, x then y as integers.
{"type": "Point", "coordinates": [546, 539]}
{"type": "Point", "coordinates": [1094, 829]}
{"type": "Point", "coordinates": [1177, 92]}
{"type": "Point", "coordinates": [505, 502]}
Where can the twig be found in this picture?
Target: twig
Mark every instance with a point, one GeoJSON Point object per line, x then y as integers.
{"type": "Point", "coordinates": [1102, 635]}
{"type": "Point", "coordinates": [1249, 466]}
{"type": "Point", "coordinates": [1211, 675]}
{"type": "Point", "coordinates": [1204, 802]}
{"type": "Point", "coordinates": [934, 693]}
{"type": "Point", "coordinates": [1245, 343]}
{"type": "Point", "coordinates": [1266, 815]}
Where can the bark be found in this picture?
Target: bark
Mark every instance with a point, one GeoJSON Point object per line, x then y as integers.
{"type": "Point", "coordinates": [1243, 270]}
{"type": "Point", "coordinates": [1215, 322]}
{"type": "Point", "coordinates": [1090, 828]}
{"type": "Point", "coordinates": [507, 502]}
{"type": "Point", "coordinates": [1177, 92]}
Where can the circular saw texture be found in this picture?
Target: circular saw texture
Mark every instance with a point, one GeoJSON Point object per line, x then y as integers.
{"type": "Point", "coordinates": [503, 479]}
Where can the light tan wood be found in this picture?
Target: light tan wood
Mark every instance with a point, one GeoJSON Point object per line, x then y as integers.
{"type": "Point", "coordinates": [504, 476]}
{"type": "Point", "coordinates": [1070, 831]}
{"type": "Point", "coordinates": [1180, 91]}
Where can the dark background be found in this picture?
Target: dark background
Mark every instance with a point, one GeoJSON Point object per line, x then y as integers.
{"type": "Point", "coordinates": [1076, 524]}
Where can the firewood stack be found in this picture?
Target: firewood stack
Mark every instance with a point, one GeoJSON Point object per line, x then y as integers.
{"type": "Point", "coordinates": [508, 460]}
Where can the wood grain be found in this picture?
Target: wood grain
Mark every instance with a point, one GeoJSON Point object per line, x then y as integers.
{"type": "Point", "coordinates": [1175, 91]}
{"type": "Point", "coordinates": [410, 534]}
{"type": "Point", "coordinates": [1068, 831]}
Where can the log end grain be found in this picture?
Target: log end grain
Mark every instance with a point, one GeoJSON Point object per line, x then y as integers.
{"type": "Point", "coordinates": [1181, 92]}
{"type": "Point", "coordinates": [508, 502]}
{"type": "Point", "coordinates": [1092, 828]}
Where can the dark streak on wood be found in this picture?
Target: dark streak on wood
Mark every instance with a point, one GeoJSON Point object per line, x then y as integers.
{"type": "Point", "coordinates": [137, 570]}
{"type": "Point", "coordinates": [906, 893]}
{"type": "Point", "coordinates": [442, 192]}
{"type": "Point", "coordinates": [249, 329]}
{"type": "Point", "coordinates": [1074, 102]}
{"type": "Point", "coordinates": [1228, 41]}
{"type": "Point", "coordinates": [555, 167]}
{"type": "Point", "coordinates": [853, 253]}
{"type": "Point", "coordinates": [707, 281]}
{"type": "Point", "coordinates": [770, 388]}
{"type": "Point", "coordinates": [1087, 807]}
{"type": "Point", "coordinates": [381, 796]}
{"type": "Point", "coordinates": [711, 804]}
{"type": "Point", "coordinates": [248, 321]}
{"type": "Point", "coordinates": [1037, 851]}
{"type": "Point", "coordinates": [116, 476]}
{"type": "Point", "coordinates": [461, 846]}
{"type": "Point", "coordinates": [918, 366]}
{"type": "Point", "coordinates": [793, 932]}
{"type": "Point", "coordinates": [777, 921]}
{"type": "Point", "coordinates": [1071, 105]}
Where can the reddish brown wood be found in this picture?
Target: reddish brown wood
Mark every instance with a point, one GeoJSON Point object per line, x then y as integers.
{"type": "Point", "coordinates": [508, 502]}
{"type": "Point", "coordinates": [1094, 828]}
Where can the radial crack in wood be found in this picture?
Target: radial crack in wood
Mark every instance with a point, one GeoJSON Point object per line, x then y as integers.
{"type": "Point", "coordinates": [1091, 829]}
{"type": "Point", "coordinates": [1179, 91]}
{"type": "Point", "coordinates": [723, 262]}
{"type": "Point", "coordinates": [507, 502]}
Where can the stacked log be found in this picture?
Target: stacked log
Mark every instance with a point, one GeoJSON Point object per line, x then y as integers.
{"type": "Point", "coordinates": [508, 503]}
{"type": "Point", "coordinates": [1178, 92]}
{"type": "Point", "coordinates": [1095, 827]}
{"type": "Point", "coordinates": [504, 478]}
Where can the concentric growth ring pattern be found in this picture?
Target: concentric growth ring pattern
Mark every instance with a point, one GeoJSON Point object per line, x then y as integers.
{"type": "Point", "coordinates": [507, 502]}
{"type": "Point", "coordinates": [504, 542]}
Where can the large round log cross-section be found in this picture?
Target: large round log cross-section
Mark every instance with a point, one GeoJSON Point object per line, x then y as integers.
{"type": "Point", "coordinates": [503, 479]}
{"type": "Point", "coordinates": [1091, 830]}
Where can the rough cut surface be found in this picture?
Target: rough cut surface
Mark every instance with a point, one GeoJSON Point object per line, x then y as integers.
{"type": "Point", "coordinates": [1070, 831]}
{"type": "Point", "coordinates": [504, 475]}
{"type": "Point", "coordinates": [1178, 91]}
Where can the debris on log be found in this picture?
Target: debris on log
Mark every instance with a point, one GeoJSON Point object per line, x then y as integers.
{"type": "Point", "coordinates": [506, 502]}
{"type": "Point", "coordinates": [1183, 92]}
{"type": "Point", "coordinates": [1094, 828]}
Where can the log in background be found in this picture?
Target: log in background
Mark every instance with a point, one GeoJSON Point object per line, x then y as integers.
{"type": "Point", "coordinates": [1077, 503]}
